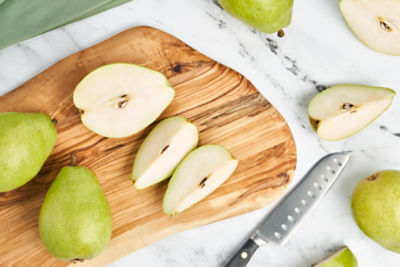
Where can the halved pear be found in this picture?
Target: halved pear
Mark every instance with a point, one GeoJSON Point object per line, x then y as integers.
{"type": "Point", "coordinates": [342, 258]}
{"type": "Point", "coordinates": [201, 172]}
{"type": "Point", "coordinates": [375, 22]}
{"type": "Point", "coordinates": [343, 110]}
{"type": "Point", "coordinates": [162, 150]}
{"type": "Point", "coordinates": [118, 100]}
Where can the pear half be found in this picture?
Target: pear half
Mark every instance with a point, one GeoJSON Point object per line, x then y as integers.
{"type": "Point", "coordinates": [342, 258]}
{"type": "Point", "coordinates": [201, 172]}
{"type": "Point", "coordinates": [118, 100]}
{"type": "Point", "coordinates": [341, 111]}
{"type": "Point", "coordinates": [162, 150]}
{"type": "Point", "coordinates": [375, 22]}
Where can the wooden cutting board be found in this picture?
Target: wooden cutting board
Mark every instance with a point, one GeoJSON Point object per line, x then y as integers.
{"type": "Point", "coordinates": [224, 105]}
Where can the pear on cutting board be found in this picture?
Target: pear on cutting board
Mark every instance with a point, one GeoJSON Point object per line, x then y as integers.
{"type": "Point", "coordinates": [75, 219]}
{"type": "Point", "coordinates": [375, 205]}
{"type": "Point", "coordinates": [162, 150]}
{"type": "Point", "coordinates": [26, 141]}
{"type": "Point", "coordinates": [201, 172]}
{"type": "Point", "coordinates": [375, 22]}
{"type": "Point", "coordinates": [343, 110]}
{"type": "Point", "coordinates": [342, 258]}
{"type": "Point", "coordinates": [118, 100]}
{"type": "Point", "coordinates": [265, 15]}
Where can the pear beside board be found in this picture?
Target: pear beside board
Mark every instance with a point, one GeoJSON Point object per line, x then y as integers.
{"type": "Point", "coordinates": [343, 110]}
{"type": "Point", "coordinates": [75, 219]}
{"type": "Point", "coordinates": [341, 258]}
{"type": "Point", "coordinates": [375, 204]}
{"type": "Point", "coordinates": [26, 141]}
{"type": "Point", "coordinates": [265, 15]}
{"type": "Point", "coordinates": [376, 23]}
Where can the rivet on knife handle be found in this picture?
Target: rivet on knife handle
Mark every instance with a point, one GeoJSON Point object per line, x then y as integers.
{"type": "Point", "coordinates": [283, 220]}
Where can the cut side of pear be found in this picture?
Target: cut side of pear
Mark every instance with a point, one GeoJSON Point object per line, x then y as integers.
{"type": "Point", "coordinates": [118, 100]}
{"type": "Point", "coordinates": [162, 150]}
{"type": "Point", "coordinates": [198, 175]}
{"type": "Point", "coordinates": [341, 258]}
{"type": "Point", "coordinates": [341, 111]}
{"type": "Point", "coordinates": [375, 22]}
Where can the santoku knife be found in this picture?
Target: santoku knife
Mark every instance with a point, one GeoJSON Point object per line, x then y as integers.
{"type": "Point", "coordinates": [282, 221]}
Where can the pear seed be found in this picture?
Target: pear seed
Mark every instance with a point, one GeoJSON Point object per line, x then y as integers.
{"type": "Point", "coordinates": [281, 33]}
{"type": "Point", "coordinates": [203, 182]}
{"type": "Point", "coordinates": [122, 104]}
{"type": "Point", "coordinates": [347, 106]}
{"type": "Point", "coordinates": [165, 148]}
{"type": "Point", "coordinates": [385, 26]}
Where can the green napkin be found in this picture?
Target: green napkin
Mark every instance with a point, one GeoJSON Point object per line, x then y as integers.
{"type": "Point", "coordinates": [23, 19]}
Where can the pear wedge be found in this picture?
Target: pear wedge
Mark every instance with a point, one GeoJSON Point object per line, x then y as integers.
{"type": "Point", "coordinates": [341, 111]}
{"type": "Point", "coordinates": [118, 100]}
{"type": "Point", "coordinates": [162, 150]}
{"type": "Point", "coordinates": [201, 172]}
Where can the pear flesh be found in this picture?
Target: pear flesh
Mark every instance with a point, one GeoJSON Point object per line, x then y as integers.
{"type": "Point", "coordinates": [75, 219]}
{"type": "Point", "coordinates": [118, 100]}
{"type": "Point", "coordinates": [201, 172]}
{"type": "Point", "coordinates": [375, 205]}
{"type": "Point", "coordinates": [265, 15]}
{"type": "Point", "coordinates": [341, 111]}
{"type": "Point", "coordinates": [162, 150]}
{"type": "Point", "coordinates": [342, 258]}
{"type": "Point", "coordinates": [375, 22]}
{"type": "Point", "coordinates": [26, 141]}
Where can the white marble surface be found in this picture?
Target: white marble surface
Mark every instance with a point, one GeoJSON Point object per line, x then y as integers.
{"type": "Point", "coordinates": [317, 51]}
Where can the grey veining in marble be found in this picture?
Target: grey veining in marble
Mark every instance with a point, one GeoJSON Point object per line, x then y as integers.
{"type": "Point", "coordinates": [318, 51]}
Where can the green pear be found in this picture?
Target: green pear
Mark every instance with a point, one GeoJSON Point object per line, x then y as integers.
{"type": "Point", "coordinates": [375, 205]}
{"type": "Point", "coordinates": [121, 99]}
{"type": "Point", "coordinates": [375, 22]}
{"type": "Point", "coordinates": [162, 150]}
{"type": "Point", "coordinates": [342, 258]}
{"type": "Point", "coordinates": [75, 219]}
{"type": "Point", "coordinates": [200, 173]}
{"type": "Point", "coordinates": [265, 15]}
{"type": "Point", "coordinates": [343, 110]}
{"type": "Point", "coordinates": [26, 141]}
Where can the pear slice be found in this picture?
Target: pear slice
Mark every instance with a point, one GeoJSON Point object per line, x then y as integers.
{"type": "Point", "coordinates": [118, 100]}
{"type": "Point", "coordinates": [162, 150]}
{"type": "Point", "coordinates": [375, 22]}
{"type": "Point", "coordinates": [343, 110]}
{"type": "Point", "coordinates": [342, 258]}
{"type": "Point", "coordinates": [198, 175]}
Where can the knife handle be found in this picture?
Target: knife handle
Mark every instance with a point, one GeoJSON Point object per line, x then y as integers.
{"type": "Point", "coordinates": [243, 255]}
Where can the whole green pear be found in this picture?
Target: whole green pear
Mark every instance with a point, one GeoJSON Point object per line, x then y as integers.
{"type": "Point", "coordinates": [265, 15]}
{"type": "Point", "coordinates": [75, 219]}
{"type": "Point", "coordinates": [26, 141]}
{"type": "Point", "coordinates": [376, 208]}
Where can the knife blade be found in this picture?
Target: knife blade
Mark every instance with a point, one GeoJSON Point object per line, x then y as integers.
{"type": "Point", "coordinates": [279, 225]}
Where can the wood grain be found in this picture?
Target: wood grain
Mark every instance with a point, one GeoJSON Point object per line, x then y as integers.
{"type": "Point", "coordinates": [223, 104]}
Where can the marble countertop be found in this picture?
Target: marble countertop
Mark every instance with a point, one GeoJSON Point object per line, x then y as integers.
{"type": "Point", "coordinates": [317, 51]}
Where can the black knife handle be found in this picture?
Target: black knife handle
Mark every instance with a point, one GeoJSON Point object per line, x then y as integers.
{"type": "Point", "coordinates": [243, 255]}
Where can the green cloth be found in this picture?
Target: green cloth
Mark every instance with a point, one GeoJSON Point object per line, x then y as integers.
{"type": "Point", "coordinates": [23, 19]}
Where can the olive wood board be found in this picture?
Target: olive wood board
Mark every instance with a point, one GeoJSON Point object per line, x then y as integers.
{"type": "Point", "coordinates": [223, 104]}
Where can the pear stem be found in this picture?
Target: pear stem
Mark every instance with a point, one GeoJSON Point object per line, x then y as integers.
{"type": "Point", "coordinates": [54, 121]}
{"type": "Point", "coordinates": [73, 159]}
